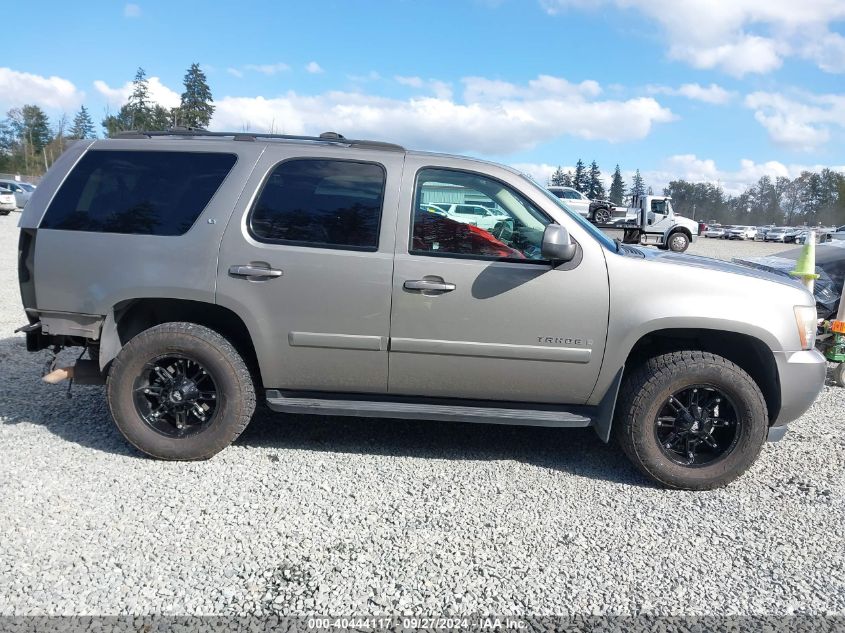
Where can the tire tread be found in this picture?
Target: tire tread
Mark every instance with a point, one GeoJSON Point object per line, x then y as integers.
{"type": "Point", "coordinates": [223, 348]}
{"type": "Point", "coordinates": [636, 393]}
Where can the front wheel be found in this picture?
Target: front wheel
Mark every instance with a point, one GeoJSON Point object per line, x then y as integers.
{"type": "Point", "coordinates": [691, 420]}
{"type": "Point", "coordinates": [678, 242]}
{"type": "Point", "coordinates": [180, 391]}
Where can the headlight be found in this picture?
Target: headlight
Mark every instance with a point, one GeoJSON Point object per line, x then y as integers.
{"type": "Point", "coordinates": [807, 321]}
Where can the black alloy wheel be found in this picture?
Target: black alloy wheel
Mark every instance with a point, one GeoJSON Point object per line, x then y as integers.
{"type": "Point", "coordinates": [176, 396]}
{"type": "Point", "coordinates": [697, 426]}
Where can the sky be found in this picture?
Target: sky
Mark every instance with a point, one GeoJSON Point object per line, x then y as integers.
{"type": "Point", "coordinates": [722, 91]}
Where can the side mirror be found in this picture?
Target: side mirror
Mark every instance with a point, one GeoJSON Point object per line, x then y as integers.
{"type": "Point", "coordinates": [557, 245]}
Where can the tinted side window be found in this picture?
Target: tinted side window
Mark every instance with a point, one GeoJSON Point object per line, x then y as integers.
{"type": "Point", "coordinates": [321, 203]}
{"type": "Point", "coordinates": [140, 192]}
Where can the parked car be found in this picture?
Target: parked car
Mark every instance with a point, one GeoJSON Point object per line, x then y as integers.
{"type": "Point", "coordinates": [820, 237]}
{"type": "Point", "coordinates": [727, 234]}
{"type": "Point", "coordinates": [475, 214]}
{"type": "Point", "coordinates": [839, 233]}
{"type": "Point", "coordinates": [7, 201]}
{"type": "Point", "coordinates": [792, 235]}
{"type": "Point", "coordinates": [598, 211]}
{"type": "Point", "coordinates": [777, 234]}
{"type": "Point", "coordinates": [742, 233]}
{"type": "Point", "coordinates": [21, 192]}
{"type": "Point", "coordinates": [305, 269]}
{"type": "Point", "coordinates": [762, 231]}
{"type": "Point", "coordinates": [715, 231]}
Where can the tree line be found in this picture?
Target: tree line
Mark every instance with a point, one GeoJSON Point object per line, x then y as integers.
{"type": "Point", "coordinates": [588, 180]}
{"type": "Point", "coordinates": [29, 143]}
{"type": "Point", "coordinates": [811, 199]}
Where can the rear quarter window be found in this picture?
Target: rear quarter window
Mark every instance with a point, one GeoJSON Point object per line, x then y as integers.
{"type": "Point", "coordinates": [137, 192]}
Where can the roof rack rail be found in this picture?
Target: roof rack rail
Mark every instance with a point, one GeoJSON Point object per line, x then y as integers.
{"type": "Point", "coordinates": [325, 137]}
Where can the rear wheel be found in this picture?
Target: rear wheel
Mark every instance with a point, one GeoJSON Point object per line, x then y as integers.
{"type": "Point", "coordinates": [691, 420]}
{"type": "Point", "coordinates": [180, 391]}
{"type": "Point", "coordinates": [601, 216]}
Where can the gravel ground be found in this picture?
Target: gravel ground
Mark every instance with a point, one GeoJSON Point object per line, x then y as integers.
{"type": "Point", "coordinates": [341, 516]}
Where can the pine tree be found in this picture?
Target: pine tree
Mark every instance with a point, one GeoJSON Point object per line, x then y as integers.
{"type": "Point", "coordinates": [617, 187]}
{"type": "Point", "coordinates": [83, 126]}
{"type": "Point", "coordinates": [196, 106]}
{"type": "Point", "coordinates": [139, 100]}
{"type": "Point", "coordinates": [579, 179]}
{"type": "Point", "coordinates": [139, 112]}
{"type": "Point", "coordinates": [567, 179]}
{"type": "Point", "coordinates": [637, 185]}
{"type": "Point", "coordinates": [557, 178]}
{"type": "Point", "coordinates": [595, 187]}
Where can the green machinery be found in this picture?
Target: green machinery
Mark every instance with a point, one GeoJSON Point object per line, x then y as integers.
{"type": "Point", "coordinates": [831, 341]}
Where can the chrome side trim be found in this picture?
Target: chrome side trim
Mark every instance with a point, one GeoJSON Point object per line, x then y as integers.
{"type": "Point", "coordinates": [490, 350]}
{"type": "Point", "coordinates": [337, 341]}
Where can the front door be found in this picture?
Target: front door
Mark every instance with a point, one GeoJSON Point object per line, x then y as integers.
{"type": "Point", "coordinates": [308, 262]}
{"type": "Point", "coordinates": [477, 313]}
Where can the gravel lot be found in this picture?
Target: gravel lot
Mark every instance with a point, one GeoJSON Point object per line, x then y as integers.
{"type": "Point", "coordinates": [342, 516]}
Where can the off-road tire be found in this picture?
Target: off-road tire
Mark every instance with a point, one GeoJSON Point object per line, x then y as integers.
{"type": "Point", "coordinates": [675, 240]}
{"type": "Point", "coordinates": [649, 385]}
{"type": "Point", "coordinates": [235, 389]}
{"type": "Point", "coordinates": [839, 374]}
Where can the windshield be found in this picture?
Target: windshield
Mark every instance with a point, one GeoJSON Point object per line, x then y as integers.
{"type": "Point", "coordinates": [592, 230]}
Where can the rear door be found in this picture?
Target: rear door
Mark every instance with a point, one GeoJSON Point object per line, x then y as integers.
{"type": "Point", "coordinates": [477, 313]}
{"type": "Point", "coordinates": [307, 260]}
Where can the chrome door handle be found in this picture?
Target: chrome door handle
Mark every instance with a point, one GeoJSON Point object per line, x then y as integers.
{"type": "Point", "coordinates": [249, 271]}
{"type": "Point", "coordinates": [429, 284]}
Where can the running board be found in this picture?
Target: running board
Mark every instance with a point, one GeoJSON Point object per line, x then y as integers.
{"type": "Point", "coordinates": [408, 409]}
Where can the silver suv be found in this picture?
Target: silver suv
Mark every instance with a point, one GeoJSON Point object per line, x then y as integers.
{"type": "Point", "coordinates": [200, 269]}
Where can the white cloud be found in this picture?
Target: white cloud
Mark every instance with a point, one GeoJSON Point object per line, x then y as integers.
{"type": "Point", "coordinates": [739, 36]}
{"type": "Point", "coordinates": [314, 68]}
{"type": "Point", "coordinates": [544, 86]}
{"type": "Point", "coordinates": [370, 76]}
{"type": "Point", "coordinates": [713, 93]}
{"type": "Point", "coordinates": [413, 82]}
{"type": "Point", "coordinates": [494, 118]}
{"type": "Point", "coordinates": [734, 181]}
{"type": "Point", "coordinates": [159, 93]}
{"type": "Point", "coordinates": [55, 93]}
{"type": "Point", "coordinates": [235, 72]}
{"type": "Point", "coordinates": [802, 122]}
{"type": "Point", "coordinates": [268, 69]}
{"type": "Point", "coordinates": [440, 89]}
{"type": "Point", "coordinates": [541, 172]}
{"type": "Point", "coordinates": [131, 10]}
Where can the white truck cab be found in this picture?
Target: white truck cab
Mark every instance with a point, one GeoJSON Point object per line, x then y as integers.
{"type": "Point", "coordinates": [651, 220]}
